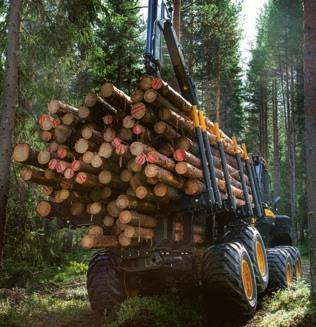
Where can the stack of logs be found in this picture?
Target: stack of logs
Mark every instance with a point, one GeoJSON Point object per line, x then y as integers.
{"type": "Point", "coordinates": [117, 160]}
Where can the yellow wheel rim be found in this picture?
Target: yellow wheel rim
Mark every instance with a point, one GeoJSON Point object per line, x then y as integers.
{"type": "Point", "coordinates": [298, 269]}
{"type": "Point", "coordinates": [289, 274]}
{"type": "Point", "coordinates": [247, 279]}
{"type": "Point", "coordinates": [261, 258]}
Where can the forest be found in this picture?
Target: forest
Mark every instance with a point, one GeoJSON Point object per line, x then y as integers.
{"type": "Point", "coordinates": [52, 49]}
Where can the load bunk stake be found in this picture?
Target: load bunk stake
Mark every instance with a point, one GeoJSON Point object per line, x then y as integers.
{"type": "Point", "coordinates": [242, 177]}
{"type": "Point", "coordinates": [231, 203]}
{"type": "Point", "coordinates": [256, 181]}
{"type": "Point", "coordinates": [252, 182]}
{"type": "Point", "coordinates": [206, 173]}
{"type": "Point", "coordinates": [210, 160]}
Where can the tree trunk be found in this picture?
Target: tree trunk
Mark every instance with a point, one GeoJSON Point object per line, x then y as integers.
{"type": "Point", "coordinates": [7, 121]}
{"type": "Point", "coordinates": [276, 146]}
{"type": "Point", "coordinates": [310, 123]}
{"type": "Point", "coordinates": [218, 87]}
{"type": "Point", "coordinates": [292, 149]}
{"type": "Point", "coordinates": [82, 70]}
{"type": "Point", "coordinates": [177, 18]}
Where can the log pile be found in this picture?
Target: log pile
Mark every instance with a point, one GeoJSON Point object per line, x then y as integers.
{"type": "Point", "coordinates": [118, 160]}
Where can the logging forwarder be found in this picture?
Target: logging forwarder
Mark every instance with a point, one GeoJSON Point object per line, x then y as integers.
{"type": "Point", "coordinates": [167, 196]}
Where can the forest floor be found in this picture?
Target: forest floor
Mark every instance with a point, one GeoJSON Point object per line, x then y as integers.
{"type": "Point", "coordinates": [62, 302]}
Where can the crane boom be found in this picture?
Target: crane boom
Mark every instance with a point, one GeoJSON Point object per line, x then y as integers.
{"type": "Point", "coordinates": [159, 19]}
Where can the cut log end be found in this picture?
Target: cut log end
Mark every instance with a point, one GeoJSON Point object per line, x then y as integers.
{"type": "Point", "coordinates": [83, 112]}
{"type": "Point", "coordinates": [21, 152]}
{"type": "Point", "coordinates": [81, 146]}
{"type": "Point", "coordinates": [43, 208]}
{"type": "Point", "coordinates": [141, 192]}
{"type": "Point", "coordinates": [122, 201]}
{"type": "Point", "coordinates": [107, 89]}
{"type": "Point", "coordinates": [150, 96]}
{"type": "Point", "coordinates": [105, 177]}
{"type": "Point", "coordinates": [90, 99]}
{"type": "Point", "coordinates": [138, 110]}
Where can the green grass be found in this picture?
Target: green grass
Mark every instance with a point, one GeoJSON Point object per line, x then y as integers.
{"type": "Point", "coordinates": [73, 270]}
{"type": "Point", "coordinates": [159, 311]}
{"type": "Point", "coordinates": [62, 301]}
{"type": "Point", "coordinates": [289, 308]}
{"type": "Point", "coordinates": [21, 309]}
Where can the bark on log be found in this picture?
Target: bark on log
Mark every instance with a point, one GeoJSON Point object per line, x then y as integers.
{"type": "Point", "coordinates": [87, 180]}
{"type": "Point", "coordinates": [61, 108]}
{"type": "Point", "coordinates": [23, 153]}
{"type": "Point", "coordinates": [138, 232]}
{"type": "Point", "coordinates": [82, 146]}
{"type": "Point", "coordinates": [143, 192]}
{"type": "Point", "coordinates": [88, 133]}
{"type": "Point", "coordinates": [174, 97]}
{"type": "Point", "coordinates": [137, 148]}
{"type": "Point", "coordinates": [47, 209]}
{"type": "Point", "coordinates": [126, 202]}
{"type": "Point", "coordinates": [137, 180]}
{"type": "Point", "coordinates": [159, 159]}
{"type": "Point", "coordinates": [79, 165]}
{"type": "Point", "coordinates": [98, 241]}
{"type": "Point", "coordinates": [137, 219]}
{"type": "Point", "coordinates": [116, 97]}
{"type": "Point", "coordinates": [180, 123]}
{"type": "Point", "coordinates": [164, 176]}
{"type": "Point", "coordinates": [188, 145]}
{"type": "Point", "coordinates": [166, 149]}
{"type": "Point", "coordinates": [166, 191]}
{"type": "Point", "coordinates": [166, 131]}
{"type": "Point", "coordinates": [37, 177]}
{"type": "Point", "coordinates": [187, 170]}
{"type": "Point", "coordinates": [153, 97]}
{"type": "Point", "coordinates": [182, 155]}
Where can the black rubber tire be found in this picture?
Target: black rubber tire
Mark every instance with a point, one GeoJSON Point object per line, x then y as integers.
{"type": "Point", "coordinates": [296, 259]}
{"type": "Point", "coordinates": [222, 277]}
{"type": "Point", "coordinates": [278, 259]}
{"type": "Point", "coordinates": [104, 286]}
{"type": "Point", "coordinates": [248, 236]}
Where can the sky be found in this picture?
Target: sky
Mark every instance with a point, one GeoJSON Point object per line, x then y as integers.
{"type": "Point", "coordinates": [251, 10]}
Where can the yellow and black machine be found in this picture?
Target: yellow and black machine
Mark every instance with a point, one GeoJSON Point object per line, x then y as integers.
{"type": "Point", "coordinates": [247, 250]}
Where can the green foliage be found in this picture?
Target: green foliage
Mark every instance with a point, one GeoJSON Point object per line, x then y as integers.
{"type": "Point", "coordinates": [72, 271]}
{"type": "Point", "coordinates": [67, 48]}
{"type": "Point", "coordinates": [278, 55]}
{"type": "Point", "coordinates": [168, 310]}
{"type": "Point", "coordinates": [289, 308]}
{"type": "Point", "coordinates": [211, 46]}
{"type": "Point", "coordinates": [39, 310]}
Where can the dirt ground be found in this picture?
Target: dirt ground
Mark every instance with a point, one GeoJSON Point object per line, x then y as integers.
{"type": "Point", "coordinates": [84, 317]}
